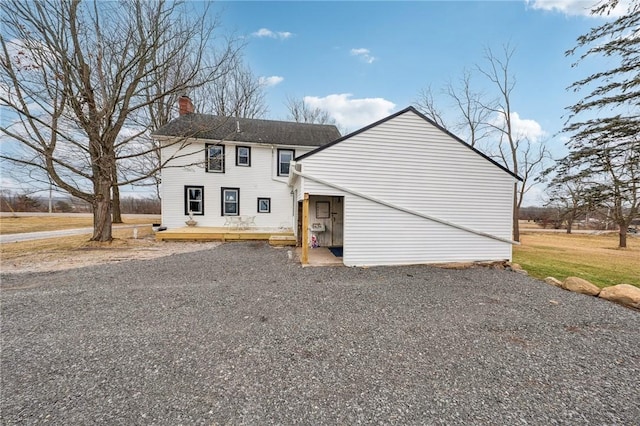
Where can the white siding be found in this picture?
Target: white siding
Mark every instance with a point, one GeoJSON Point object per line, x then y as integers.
{"type": "Point", "coordinates": [409, 163]}
{"type": "Point", "coordinates": [258, 180]}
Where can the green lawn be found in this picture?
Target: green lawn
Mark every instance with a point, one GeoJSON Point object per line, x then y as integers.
{"type": "Point", "coordinates": [595, 258]}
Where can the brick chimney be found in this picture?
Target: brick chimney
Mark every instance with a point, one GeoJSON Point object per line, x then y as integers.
{"type": "Point", "coordinates": [185, 105]}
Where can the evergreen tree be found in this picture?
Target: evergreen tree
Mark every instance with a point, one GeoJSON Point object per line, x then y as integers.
{"type": "Point", "coordinates": [604, 149]}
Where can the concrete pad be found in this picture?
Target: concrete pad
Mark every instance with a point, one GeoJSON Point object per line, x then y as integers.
{"type": "Point", "coordinates": [320, 256]}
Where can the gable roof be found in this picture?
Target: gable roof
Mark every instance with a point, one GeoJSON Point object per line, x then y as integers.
{"type": "Point", "coordinates": [419, 114]}
{"type": "Point", "coordinates": [214, 127]}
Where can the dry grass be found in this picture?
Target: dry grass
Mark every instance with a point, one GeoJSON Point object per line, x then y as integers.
{"type": "Point", "coordinates": [526, 225]}
{"type": "Point", "coordinates": [46, 248]}
{"type": "Point", "coordinates": [77, 251]}
{"type": "Point", "coordinates": [22, 224]}
{"type": "Point", "coordinates": [593, 257]}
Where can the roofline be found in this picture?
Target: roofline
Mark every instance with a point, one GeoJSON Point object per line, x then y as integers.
{"type": "Point", "coordinates": [424, 117]}
{"type": "Point", "coordinates": [163, 138]}
{"type": "Point", "coordinates": [226, 118]}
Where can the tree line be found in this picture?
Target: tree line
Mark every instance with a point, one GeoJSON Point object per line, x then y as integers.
{"type": "Point", "coordinates": [29, 202]}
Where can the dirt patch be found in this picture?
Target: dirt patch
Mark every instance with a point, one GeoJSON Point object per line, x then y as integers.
{"type": "Point", "coordinates": [92, 253]}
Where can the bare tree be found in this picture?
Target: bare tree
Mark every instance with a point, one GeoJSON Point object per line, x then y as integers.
{"type": "Point", "coordinates": [426, 104]}
{"type": "Point", "coordinates": [238, 93]}
{"type": "Point", "coordinates": [488, 124]}
{"type": "Point", "coordinates": [300, 112]}
{"type": "Point", "coordinates": [516, 152]}
{"type": "Point", "coordinates": [569, 196]}
{"type": "Point", "coordinates": [472, 113]}
{"type": "Point", "coordinates": [77, 75]}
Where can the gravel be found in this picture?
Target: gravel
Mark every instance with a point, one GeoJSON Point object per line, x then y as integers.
{"type": "Point", "coordinates": [240, 334]}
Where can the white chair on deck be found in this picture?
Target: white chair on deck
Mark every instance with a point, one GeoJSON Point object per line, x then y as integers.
{"type": "Point", "coordinates": [249, 221]}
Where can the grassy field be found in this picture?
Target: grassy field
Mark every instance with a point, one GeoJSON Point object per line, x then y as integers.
{"type": "Point", "coordinates": [595, 258]}
{"type": "Point", "coordinates": [21, 224]}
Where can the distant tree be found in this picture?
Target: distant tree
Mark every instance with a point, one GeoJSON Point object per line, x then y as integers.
{"type": "Point", "coordinates": [571, 197]}
{"type": "Point", "coordinates": [301, 112]}
{"type": "Point", "coordinates": [237, 93]}
{"type": "Point", "coordinates": [64, 207]}
{"type": "Point", "coordinates": [76, 75]}
{"type": "Point", "coordinates": [25, 203]}
{"type": "Point", "coordinates": [604, 148]}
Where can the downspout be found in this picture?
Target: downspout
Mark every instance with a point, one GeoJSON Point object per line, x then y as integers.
{"type": "Point", "coordinates": [403, 209]}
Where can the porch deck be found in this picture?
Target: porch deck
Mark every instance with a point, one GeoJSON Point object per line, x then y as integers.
{"type": "Point", "coordinates": [276, 237]}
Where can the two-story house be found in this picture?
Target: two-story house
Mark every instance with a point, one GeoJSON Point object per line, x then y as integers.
{"type": "Point", "coordinates": [220, 167]}
{"type": "Point", "coordinates": [402, 190]}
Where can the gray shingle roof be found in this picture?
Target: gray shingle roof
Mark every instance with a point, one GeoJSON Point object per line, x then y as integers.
{"type": "Point", "coordinates": [214, 127]}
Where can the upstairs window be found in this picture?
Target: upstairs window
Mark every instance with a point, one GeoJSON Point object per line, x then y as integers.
{"type": "Point", "coordinates": [215, 158]}
{"type": "Point", "coordinates": [285, 156]}
{"type": "Point", "coordinates": [194, 200]}
{"type": "Point", "coordinates": [243, 156]}
{"type": "Point", "coordinates": [230, 201]}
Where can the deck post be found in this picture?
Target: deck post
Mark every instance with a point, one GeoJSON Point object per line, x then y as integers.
{"type": "Point", "coordinates": [304, 259]}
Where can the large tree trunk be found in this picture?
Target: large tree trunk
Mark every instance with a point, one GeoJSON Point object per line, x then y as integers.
{"type": "Point", "coordinates": [516, 214]}
{"type": "Point", "coordinates": [102, 203]}
{"type": "Point", "coordinates": [117, 215]}
{"type": "Point", "coordinates": [623, 236]}
{"type": "Point", "coordinates": [569, 224]}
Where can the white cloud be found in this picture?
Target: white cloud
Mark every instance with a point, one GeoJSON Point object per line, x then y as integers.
{"type": "Point", "coordinates": [364, 54]}
{"type": "Point", "coordinates": [352, 113]}
{"type": "Point", "coordinates": [576, 7]}
{"type": "Point", "coordinates": [272, 80]}
{"type": "Point", "coordinates": [522, 127]}
{"type": "Point", "coordinates": [266, 32]}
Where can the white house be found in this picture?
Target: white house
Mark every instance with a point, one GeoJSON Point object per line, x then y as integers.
{"type": "Point", "coordinates": [222, 167]}
{"type": "Point", "coordinates": [400, 191]}
{"type": "Point", "coordinates": [405, 191]}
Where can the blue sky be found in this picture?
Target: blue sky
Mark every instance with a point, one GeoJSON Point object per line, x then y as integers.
{"type": "Point", "coordinates": [365, 60]}
{"type": "Point", "coordinates": [312, 47]}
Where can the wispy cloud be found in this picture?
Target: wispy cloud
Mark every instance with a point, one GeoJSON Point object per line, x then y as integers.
{"type": "Point", "coordinates": [266, 32]}
{"type": "Point", "coordinates": [271, 80]}
{"type": "Point", "coordinates": [576, 7]}
{"type": "Point", "coordinates": [351, 113]}
{"type": "Point", "coordinates": [522, 127]}
{"type": "Point", "coordinates": [364, 54]}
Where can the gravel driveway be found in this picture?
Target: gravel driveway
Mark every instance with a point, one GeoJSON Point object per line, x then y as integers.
{"type": "Point", "coordinates": [242, 335]}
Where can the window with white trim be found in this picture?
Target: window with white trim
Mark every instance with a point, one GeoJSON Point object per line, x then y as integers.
{"type": "Point", "coordinates": [285, 157]}
{"type": "Point", "coordinates": [264, 205]}
{"type": "Point", "coordinates": [243, 156]}
{"type": "Point", "coordinates": [230, 201]}
{"type": "Point", "coordinates": [215, 158]}
{"type": "Point", "coordinates": [194, 200]}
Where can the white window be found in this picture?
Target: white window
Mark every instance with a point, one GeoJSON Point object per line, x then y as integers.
{"type": "Point", "coordinates": [215, 158]}
{"type": "Point", "coordinates": [194, 200]}
{"type": "Point", "coordinates": [243, 156]}
{"type": "Point", "coordinates": [230, 201]}
{"type": "Point", "coordinates": [264, 205]}
{"type": "Point", "coordinates": [285, 156]}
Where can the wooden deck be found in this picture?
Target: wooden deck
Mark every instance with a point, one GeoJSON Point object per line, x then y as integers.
{"type": "Point", "coordinates": [283, 237]}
